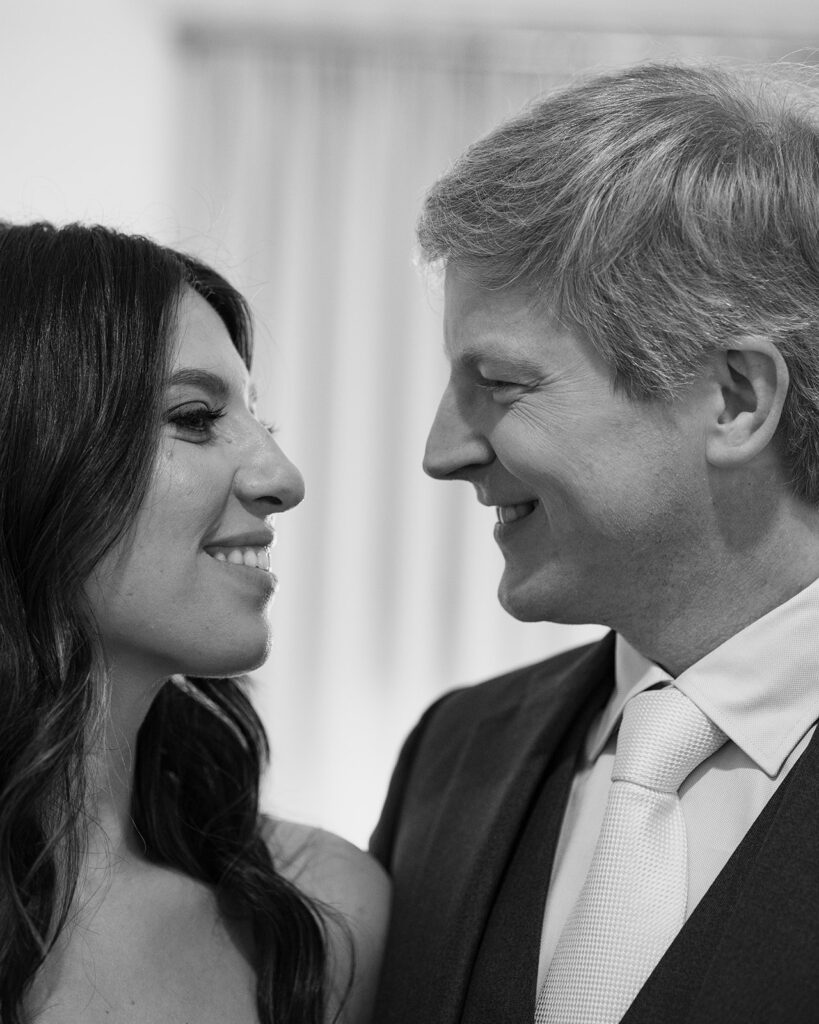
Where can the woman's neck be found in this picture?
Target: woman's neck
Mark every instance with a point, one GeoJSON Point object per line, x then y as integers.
{"type": "Point", "coordinates": [112, 836]}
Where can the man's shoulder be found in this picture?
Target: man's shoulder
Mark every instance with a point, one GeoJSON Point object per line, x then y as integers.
{"type": "Point", "coordinates": [482, 731]}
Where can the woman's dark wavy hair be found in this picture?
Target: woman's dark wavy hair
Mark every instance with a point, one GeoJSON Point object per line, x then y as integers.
{"type": "Point", "coordinates": [86, 318]}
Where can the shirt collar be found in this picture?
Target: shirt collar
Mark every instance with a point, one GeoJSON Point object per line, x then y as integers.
{"type": "Point", "coordinates": [761, 687]}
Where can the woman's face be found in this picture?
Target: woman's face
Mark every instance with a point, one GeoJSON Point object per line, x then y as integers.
{"type": "Point", "coordinates": [188, 588]}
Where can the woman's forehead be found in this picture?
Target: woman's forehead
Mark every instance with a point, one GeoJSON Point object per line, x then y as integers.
{"type": "Point", "coordinates": [203, 343]}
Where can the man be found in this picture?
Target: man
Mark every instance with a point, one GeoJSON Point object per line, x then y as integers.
{"type": "Point", "coordinates": [632, 321]}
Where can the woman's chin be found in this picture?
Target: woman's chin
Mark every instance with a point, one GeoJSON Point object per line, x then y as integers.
{"type": "Point", "coordinates": [230, 661]}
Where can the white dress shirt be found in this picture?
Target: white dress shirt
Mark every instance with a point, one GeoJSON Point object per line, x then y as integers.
{"type": "Point", "coordinates": [761, 688]}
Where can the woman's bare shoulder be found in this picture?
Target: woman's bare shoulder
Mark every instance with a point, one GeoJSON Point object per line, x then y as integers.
{"type": "Point", "coordinates": [348, 881]}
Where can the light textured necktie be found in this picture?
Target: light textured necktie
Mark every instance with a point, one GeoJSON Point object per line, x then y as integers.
{"type": "Point", "coordinates": [633, 901]}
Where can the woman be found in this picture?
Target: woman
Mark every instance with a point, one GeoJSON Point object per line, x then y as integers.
{"type": "Point", "coordinates": [138, 880]}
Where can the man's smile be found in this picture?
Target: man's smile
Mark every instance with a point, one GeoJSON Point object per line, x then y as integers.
{"type": "Point", "coordinates": [511, 513]}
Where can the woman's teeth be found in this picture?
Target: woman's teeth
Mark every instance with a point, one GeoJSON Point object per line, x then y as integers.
{"type": "Point", "coordinates": [254, 558]}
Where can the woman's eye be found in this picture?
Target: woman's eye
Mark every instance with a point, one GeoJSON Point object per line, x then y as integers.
{"type": "Point", "coordinates": [197, 421]}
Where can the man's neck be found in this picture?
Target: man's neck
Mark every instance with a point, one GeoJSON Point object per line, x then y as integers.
{"type": "Point", "coordinates": [705, 610]}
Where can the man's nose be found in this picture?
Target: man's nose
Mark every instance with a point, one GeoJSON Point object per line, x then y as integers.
{"type": "Point", "coordinates": [454, 445]}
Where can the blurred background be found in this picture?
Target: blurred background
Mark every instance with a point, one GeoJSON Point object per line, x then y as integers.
{"type": "Point", "coordinates": [290, 142]}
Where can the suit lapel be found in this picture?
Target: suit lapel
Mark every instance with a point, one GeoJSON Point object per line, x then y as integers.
{"type": "Point", "coordinates": [503, 985]}
{"type": "Point", "coordinates": [462, 823]}
{"type": "Point", "coordinates": [466, 931]}
{"type": "Point", "coordinates": [748, 951]}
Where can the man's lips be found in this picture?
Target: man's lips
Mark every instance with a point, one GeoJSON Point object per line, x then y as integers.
{"type": "Point", "coordinates": [512, 513]}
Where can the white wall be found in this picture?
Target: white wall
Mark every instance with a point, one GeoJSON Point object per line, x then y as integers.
{"type": "Point", "coordinates": [749, 17]}
{"type": "Point", "coordinates": [86, 87]}
{"type": "Point", "coordinates": [85, 119]}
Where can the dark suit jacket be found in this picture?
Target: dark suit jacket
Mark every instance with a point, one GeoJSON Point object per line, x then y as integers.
{"type": "Point", "coordinates": [468, 833]}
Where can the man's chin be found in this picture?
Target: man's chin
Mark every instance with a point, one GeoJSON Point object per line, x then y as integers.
{"type": "Point", "coordinates": [521, 603]}
{"type": "Point", "coordinates": [531, 600]}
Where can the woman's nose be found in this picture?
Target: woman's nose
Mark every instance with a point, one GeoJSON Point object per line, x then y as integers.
{"type": "Point", "coordinates": [268, 478]}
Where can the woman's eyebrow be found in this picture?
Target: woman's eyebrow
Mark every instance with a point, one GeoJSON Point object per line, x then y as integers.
{"type": "Point", "coordinates": [215, 385]}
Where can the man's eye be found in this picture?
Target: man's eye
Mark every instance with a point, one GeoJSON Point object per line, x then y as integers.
{"type": "Point", "coordinates": [195, 420]}
{"type": "Point", "coordinates": [498, 387]}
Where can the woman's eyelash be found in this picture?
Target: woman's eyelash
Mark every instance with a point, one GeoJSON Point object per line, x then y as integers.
{"type": "Point", "coordinates": [496, 385]}
{"type": "Point", "coordinates": [198, 419]}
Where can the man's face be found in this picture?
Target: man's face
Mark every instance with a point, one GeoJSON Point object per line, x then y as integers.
{"type": "Point", "coordinates": [601, 500]}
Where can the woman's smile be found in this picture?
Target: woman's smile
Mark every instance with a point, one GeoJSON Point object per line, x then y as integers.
{"type": "Point", "coordinates": [253, 558]}
{"type": "Point", "coordinates": [250, 549]}
{"type": "Point", "coordinates": [249, 564]}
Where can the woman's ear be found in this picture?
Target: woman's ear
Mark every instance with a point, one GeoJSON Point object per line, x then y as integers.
{"type": "Point", "coordinates": [753, 379]}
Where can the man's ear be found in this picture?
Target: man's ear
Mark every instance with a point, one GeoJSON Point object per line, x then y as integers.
{"type": "Point", "coordinates": [753, 379]}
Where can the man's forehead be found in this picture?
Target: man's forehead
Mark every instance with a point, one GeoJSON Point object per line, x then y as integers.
{"type": "Point", "coordinates": [502, 327]}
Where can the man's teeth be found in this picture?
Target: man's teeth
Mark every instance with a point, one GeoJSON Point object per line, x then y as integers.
{"type": "Point", "coordinates": [254, 558]}
{"type": "Point", "coordinates": [509, 513]}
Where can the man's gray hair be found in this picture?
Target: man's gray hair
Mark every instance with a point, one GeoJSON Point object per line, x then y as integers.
{"type": "Point", "coordinates": [662, 211]}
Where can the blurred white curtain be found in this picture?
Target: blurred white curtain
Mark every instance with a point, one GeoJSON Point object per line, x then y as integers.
{"type": "Point", "coordinates": [303, 159]}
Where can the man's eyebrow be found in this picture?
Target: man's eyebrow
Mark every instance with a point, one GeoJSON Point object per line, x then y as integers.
{"type": "Point", "coordinates": [471, 359]}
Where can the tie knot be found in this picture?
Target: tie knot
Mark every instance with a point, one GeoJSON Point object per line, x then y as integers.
{"type": "Point", "coordinates": [662, 739]}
